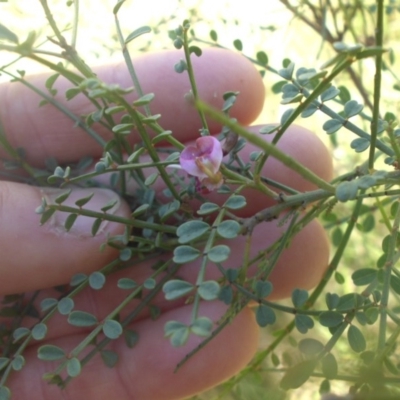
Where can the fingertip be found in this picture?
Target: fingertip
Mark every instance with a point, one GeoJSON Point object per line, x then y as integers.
{"type": "Point", "coordinates": [303, 264]}
{"type": "Point", "coordinates": [216, 72]}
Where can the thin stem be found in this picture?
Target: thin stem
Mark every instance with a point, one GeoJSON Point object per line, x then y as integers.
{"type": "Point", "coordinates": [377, 83]}
{"type": "Point", "coordinates": [268, 148]}
{"type": "Point", "coordinates": [129, 64]}
{"type": "Point", "coordinates": [386, 279]}
{"type": "Point", "coordinates": [191, 75]}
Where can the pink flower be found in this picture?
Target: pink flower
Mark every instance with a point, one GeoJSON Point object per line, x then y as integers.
{"type": "Point", "coordinates": [203, 161]}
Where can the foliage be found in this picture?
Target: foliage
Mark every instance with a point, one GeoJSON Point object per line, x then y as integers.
{"type": "Point", "coordinates": [364, 199]}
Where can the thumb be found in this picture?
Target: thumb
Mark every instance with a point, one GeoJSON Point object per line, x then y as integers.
{"type": "Point", "coordinates": [36, 257]}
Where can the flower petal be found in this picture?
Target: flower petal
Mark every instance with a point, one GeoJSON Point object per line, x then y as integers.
{"type": "Point", "coordinates": [207, 152]}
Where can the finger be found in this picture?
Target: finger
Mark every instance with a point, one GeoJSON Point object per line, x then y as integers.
{"type": "Point", "coordinates": [35, 257]}
{"type": "Point", "coordinates": [146, 372]}
{"type": "Point", "coordinates": [300, 266]}
{"type": "Point", "coordinates": [45, 131]}
{"type": "Point", "coordinates": [297, 142]}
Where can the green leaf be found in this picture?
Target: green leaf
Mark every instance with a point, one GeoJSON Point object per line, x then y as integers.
{"type": "Point", "coordinates": [330, 319]}
{"type": "Point", "coordinates": [287, 73]}
{"type": "Point", "coordinates": [329, 366]}
{"type": "Point", "coordinates": [299, 297]}
{"type": "Point", "coordinates": [329, 94]}
{"type": "Point", "coordinates": [49, 352]}
{"type": "Point", "coordinates": [97, 280]}
{"type": "Point", "coordinates": [352, 108]}
{"type": "Point", "coordinates": [310, 347]}
{"type": "Point", "coordinates": [180, 66]}
{"type": "Point", "coordinates": [126, 284]}
{"type": "Point", "coordinates": [78, 279]}
{"type": "Point", "coordinates": [118, 6]}
{"type": "Point", "coordinates": [350, 301]}
{"type": "Point", "coordinates": [178, 43]}
{"type": "Point", "coordinates": [356, 339]}
{"type": "Point", "coordinates": [84, 200]}
{"type": "Point", "coordinates": [219, 253]}
{"type": "Point", "coordinates": [69, 222]}
{"type": "Point", "coordinates": [72, 92]}
{"type": "Point", "coordinates": [20, 333]}
{"type": "Point", "coordinates": [178, 333]}
{"type": "Point", "coordinates": [47, 215]}
{"type": "Point", "coordinates": [184, 254]}
{"type": "Point", "coordinates": [17, 363]}
{"type": "Point", "coordinates": [228, 229]}
{"type": "Point", "coordinates": [265, 315]}
{"type": "Point", "coordinates": [339, 278]}
{"type": "Point", "coordinates": [82, 319]}
{"type": "Point", "coordinates": [395, 283]}
{"type": "Point", "coordinates": [303, 323]}
{"type": "Point", "coordinates": [166, 210]}
{"type": "Point", "coordinates": [5, 393]}
{"type": "Point", "coordinates": [196, 50]}
{"type": "Point", "coordinates": [137, 32]}
{"type": "Point", "coordinates": [131, 338]}
{"type": "Point", "coordinates": [112, 329]}
{"type": "Point", "coordinates": [150, 180]}
{"type": "Point", "coordinates": [192, 230]}
{"type": "Point", "coordinates": [368, 223]}
{"type": "Point", "coordinates": [39, 331]}
{"type": "Point", "coordinates": [109, 357]}
{"type": "Point", "coordinates": [346, 191]}
{"type": "Point", "coordinates": [324, 387]}
{"type": "Point", "coordinates": [235, 202]}
{"type": "Point", "coordinates": [286, 115]}
{"type": "Point", "coordinates": [47, 304]}
{"type": "Point", "coordinates": [208, 290]}
{"type": "Point", "coordinates": [96, 225]}
{"type": "Point", "coordinates": [208, 208]}
{"type": "Point", "coordinates": [65, 306]}
{"type": "Point", "coordinates": [174, 289]}
{"type": "Point", "coordinates": [213, 35]}
{"type": "Point", "coordinates": [297, 375]}
{"type": "Point", "coordinates": [262, 58]}
{"type": "Point", "coordinates": [6, 34]}
{"type": "Point", "coordinates": [263, 289]}
{"type": "Point", "coordinates": [364, 276]}
{"type": "Point", "coordinates": [337, 236]}
{"type": "Point", "coordinates": [360, 144]}
{"type": "Point", "coordinates": [310, 110]}
{"type": "Point", "coordinates": [125, 254]}
{"type": "Point", "coordinates": [62, 197]}
{"type": "Point", "coordinates": [73, 367]}
{"type": "Point", "coordinates": [149, 283]}
{"type": "Point", "coordinates": [332, 126]}
{"type": "Point", "coordinates": [202, 326]}
{"type": "Point", "coordinates": [50, 82]}
{"type": "Point", "coordinates": [238, 44]}
{"type": "Point", "coordinates": [226, 294]}
{"type": "Point", "coordinates": [144, 100]}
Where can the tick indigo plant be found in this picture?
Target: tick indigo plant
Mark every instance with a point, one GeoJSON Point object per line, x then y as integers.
{"type": "Point", "coordinates": [345, 329]}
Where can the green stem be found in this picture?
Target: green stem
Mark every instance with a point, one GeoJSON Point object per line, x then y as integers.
{"type": "Point", "coordinates": [191, 75]}
{"type": "Point", "coordinates": [70, 53]}
{"type": "Point", "coordinates": [115, 218]}
{"type": "Point", "coordinates": [129, 64]}
{"type": "Point", "coordinates": [386, 280]}
{"type": "Point", "coordinates": [268, 148]}
{"type": "Point", "coordinates": [377, 84]}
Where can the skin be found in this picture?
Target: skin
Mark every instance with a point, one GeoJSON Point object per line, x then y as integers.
{"type": "Point", "coordinates": [49, 256]}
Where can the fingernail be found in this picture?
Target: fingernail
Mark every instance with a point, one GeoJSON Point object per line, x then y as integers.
{"type": "Point", "coordinates": [82, 226]}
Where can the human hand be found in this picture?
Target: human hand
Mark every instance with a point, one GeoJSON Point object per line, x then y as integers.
{"type": "Point", "coordinates": [35, 257]}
